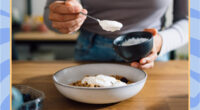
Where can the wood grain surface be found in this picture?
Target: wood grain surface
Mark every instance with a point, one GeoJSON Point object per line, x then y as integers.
{"type": "Point", "coordinates": [166, 87]}
{"type": "Point", "coordinates": [47, 36]}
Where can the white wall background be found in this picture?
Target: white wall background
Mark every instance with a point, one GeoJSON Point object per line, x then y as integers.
{"type": "Point", "coordinates": [38, 7]}
{"type": "Point", "coordinates": [19, 9]}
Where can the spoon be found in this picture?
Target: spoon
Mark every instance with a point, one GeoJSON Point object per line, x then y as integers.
{"type": "Point", "coordinates": [96, 19]}
{"type": "Point", "coordinates": [107, 25]}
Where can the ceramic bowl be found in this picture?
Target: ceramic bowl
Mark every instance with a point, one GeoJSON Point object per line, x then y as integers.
{"type": "Point", "coordinates": [102, 95]}
{"type": "Point", "coordinates": [135, 52]}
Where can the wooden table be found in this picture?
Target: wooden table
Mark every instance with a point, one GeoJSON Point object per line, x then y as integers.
{"type": "Point", "coordinates": [165, 89]}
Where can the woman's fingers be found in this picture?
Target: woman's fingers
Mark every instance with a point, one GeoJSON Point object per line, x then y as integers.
{"type": "Point", "coordinates": [65, 15]}
{"type": "Point", "coordinates": [147, 66]}
{"type": "Point", "coordinates": [69, 7]}
{"type": "Point", "coordinates": [64, 31]}
{"type": "Point", "coordinates": [72, 3]}
{"type": "Point", "coordinates": [153, 31]}
{"type": "Point", "coordinates": [135, 64]}
{"type": "Point", "coordinates": [71, 29]}
{"type": "Point", "coordinates": [149, 58]}
{"type": "Point", "coordinates": [61, 17]}
{"type": "Point", "coordinates": [68, 24]}
{"type": "Point", "coordinates": [147, 62]}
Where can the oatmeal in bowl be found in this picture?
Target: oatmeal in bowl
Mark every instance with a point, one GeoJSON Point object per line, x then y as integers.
{"type": "Point", "coordinates": [99, 83]}
{"type": "Point", "coordinates": [102, 81]}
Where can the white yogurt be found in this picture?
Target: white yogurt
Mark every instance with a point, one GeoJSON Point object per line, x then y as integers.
{"type": "Point", "coordinates": [109, 25]}
{"type": "Point", "coordinates": [103, 81]}
{"type": "Point", "coordinates": [134, 41]}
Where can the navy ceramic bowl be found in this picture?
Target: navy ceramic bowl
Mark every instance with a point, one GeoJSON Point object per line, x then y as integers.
{"type": "Point", "coordinates": [135, 52]}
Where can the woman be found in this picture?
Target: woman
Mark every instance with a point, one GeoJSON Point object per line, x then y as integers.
{"type": "Point", "coordinates": [136, 15]}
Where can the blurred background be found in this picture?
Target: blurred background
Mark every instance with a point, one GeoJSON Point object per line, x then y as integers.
{"type": "Point", "coordinates": [33, 41]}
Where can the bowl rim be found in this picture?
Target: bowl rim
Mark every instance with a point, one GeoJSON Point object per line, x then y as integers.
{"type": "Point", "coordinates": [98, 88]}
{"type": "Point", "coordinates": [114, 44]}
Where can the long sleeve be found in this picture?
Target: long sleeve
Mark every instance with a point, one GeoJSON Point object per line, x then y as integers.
{"type": "Point", "coordinates": [177, 34]}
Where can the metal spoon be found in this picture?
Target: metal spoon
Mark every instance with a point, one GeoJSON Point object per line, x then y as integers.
{"type": "Point", "coordinates": [107, 25]}
{"type": "Point", "coordinates": [96, 19]}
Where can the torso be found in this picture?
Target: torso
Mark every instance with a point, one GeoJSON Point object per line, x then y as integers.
{"type": "Point", "coordinates": [134, 14]}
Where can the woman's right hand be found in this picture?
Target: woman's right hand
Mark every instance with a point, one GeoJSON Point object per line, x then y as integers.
{"type": "Point", "coordinates": [65, 16]}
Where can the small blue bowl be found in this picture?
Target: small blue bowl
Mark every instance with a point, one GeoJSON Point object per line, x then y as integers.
{"type": "Point", "coordinates": [32, 98]}
{"type": "Point", "coordinates": [135, 52]}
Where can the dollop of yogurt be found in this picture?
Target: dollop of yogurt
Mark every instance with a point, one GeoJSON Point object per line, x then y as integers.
{"type": "Point", "coordinates": [103, 81]}
{"type": "Point", "coordinates": [110, 25]}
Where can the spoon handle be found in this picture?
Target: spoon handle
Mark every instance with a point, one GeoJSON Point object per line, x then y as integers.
{"type": "Point", "coordinates": [96, 19]}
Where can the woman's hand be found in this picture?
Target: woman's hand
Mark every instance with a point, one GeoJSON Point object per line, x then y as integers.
{"type": "Point", "coordinates": [65, 16]}
{"type": "Point", "coordinates": [148, 62]}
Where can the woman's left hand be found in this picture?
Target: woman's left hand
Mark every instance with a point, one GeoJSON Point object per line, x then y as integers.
{"type": "Point", "coordinates": [148, 62]}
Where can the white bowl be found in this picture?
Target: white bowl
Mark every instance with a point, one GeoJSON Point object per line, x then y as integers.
{"type": "Point", "coordinates": [99, 95]}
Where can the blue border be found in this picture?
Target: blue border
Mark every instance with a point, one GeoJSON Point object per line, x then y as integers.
{"type": "Point", "coordinates": [4, 54]}
{"type": "Point", "coordinates": [194, 55]}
